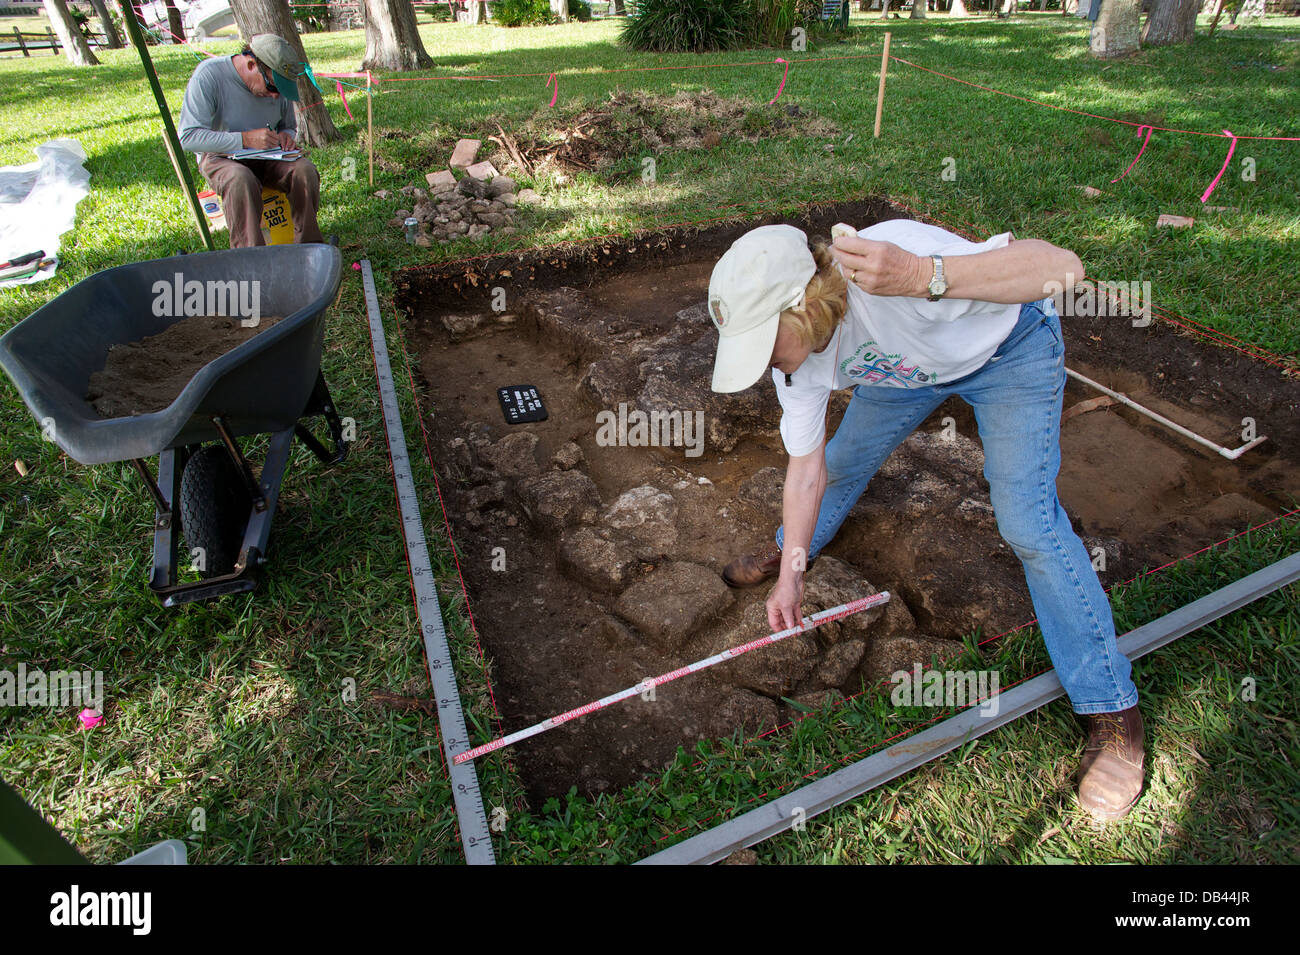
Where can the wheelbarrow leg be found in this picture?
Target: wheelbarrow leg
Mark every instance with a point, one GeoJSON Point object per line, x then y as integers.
{"type": "Point", "coordinates": [165, 492]}
{"type": "Point", "coordinates": [320, 403]}
{"type": "Point", "coordinates": [252, 552]}
{"type": "Point", "coordinates": [241, 463]}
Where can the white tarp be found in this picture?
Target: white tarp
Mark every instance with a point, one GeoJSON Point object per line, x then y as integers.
{"type": "Point", "coordinates": [38, 203]}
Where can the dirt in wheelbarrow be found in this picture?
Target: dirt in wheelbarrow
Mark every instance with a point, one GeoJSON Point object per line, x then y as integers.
{"type": "Point", "coordinates": [146, 375]}
{"type": "Point", "coordinates": [593, 563]}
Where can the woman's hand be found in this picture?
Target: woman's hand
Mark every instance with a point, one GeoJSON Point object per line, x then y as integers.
{"type": "Point", "coordinates": [784, 601]}
{"type": "Point", "coordinates": [882, 268]}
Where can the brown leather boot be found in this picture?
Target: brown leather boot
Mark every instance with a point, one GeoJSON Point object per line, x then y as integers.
{"type": "Point", "coordinates": [752, 569]}
{"type": "Point", "coordinates": [1110, 773]}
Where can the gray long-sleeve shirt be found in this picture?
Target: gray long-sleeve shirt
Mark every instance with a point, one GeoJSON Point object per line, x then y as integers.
{"type": "Point", "coordinates": [218, 106]}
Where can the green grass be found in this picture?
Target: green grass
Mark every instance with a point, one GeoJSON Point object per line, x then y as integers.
{"type": "Point", "coordinates": [237, 708]}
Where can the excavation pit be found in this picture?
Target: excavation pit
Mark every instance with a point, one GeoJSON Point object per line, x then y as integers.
{"type": "Point", "coordinates": [593, 563]}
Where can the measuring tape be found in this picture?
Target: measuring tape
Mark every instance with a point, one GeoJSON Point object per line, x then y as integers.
{"type": "Point", "coordinates": [808, 623]}
{"type": "Point", "coordinates": [474, 832]}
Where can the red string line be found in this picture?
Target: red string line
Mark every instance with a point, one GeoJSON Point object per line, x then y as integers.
{"type": "Point", "coordinates": [1079, 112]}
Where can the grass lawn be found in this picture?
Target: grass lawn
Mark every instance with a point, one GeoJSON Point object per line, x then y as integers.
{"type": "Point", "coordinates": [227, 724]}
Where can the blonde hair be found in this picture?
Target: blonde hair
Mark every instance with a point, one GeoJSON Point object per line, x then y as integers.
{"type": "Point", "coordinates": [824, 305]}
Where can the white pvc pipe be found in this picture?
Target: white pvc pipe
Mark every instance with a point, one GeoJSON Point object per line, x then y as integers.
{"type": "Point", "coordinates": [1228, 453]}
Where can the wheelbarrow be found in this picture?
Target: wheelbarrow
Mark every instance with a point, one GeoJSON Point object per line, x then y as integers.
{"type": "Point", "coordinates": [205, 487]}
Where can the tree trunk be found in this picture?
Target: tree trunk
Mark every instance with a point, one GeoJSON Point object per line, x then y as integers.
{"type": "Point", "coordinates": [315, 128]}
{"type": "Point", "coordinates": [1115, 31]}
{"type": "Point", "coordinates": [175, 26]}
{"type": "Point", "coordinates": [1042, 6]}
{"type": "Point", "coordinates": [112, 39]}
{"type": "Point", "coordinates": [392, 38]}
{"type": "Point", "coordinates": [74, 43]}
{"type": "Point", "coordinates": [958, 9]}
{"type": "Point", "coordinates": [619, 9]}
{"type": "Point", "coordinates": [1171, 22]}
{"type": "Point", "coordinates": [1069, 8]}
{"type": "Point", "coordinates": [918, 9]}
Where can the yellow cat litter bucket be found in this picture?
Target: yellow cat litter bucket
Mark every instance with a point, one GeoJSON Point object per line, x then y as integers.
{"type": "Point", "coordinates": [277, 223]}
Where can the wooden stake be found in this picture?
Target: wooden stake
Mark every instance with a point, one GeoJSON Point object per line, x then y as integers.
{"type": "Point", "coordinates": [370, 127]}
{"type": "Point", "coordinates": [884, 68]}
{"type": "Point", "coordinates": [21, 42]}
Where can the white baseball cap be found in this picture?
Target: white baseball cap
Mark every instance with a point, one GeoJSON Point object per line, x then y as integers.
{"type": "Point", "coordinates": [765, 271]}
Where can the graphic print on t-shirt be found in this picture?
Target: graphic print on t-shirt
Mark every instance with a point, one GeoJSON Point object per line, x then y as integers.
{"type": "Point", "coordinates": [870, 366]}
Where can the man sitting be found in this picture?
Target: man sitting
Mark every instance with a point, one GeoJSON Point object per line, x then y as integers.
{"type": "Point", "coordinates": [246, 101]}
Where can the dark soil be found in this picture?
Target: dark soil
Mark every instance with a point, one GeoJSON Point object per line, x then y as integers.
{"type": "Point", "coordinates": [144, 376]}
{"type": "Point", "coordinates": [612, 552]}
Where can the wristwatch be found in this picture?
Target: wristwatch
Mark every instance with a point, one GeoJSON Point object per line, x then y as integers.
{"type": "Point", "coordinates": [937, 284]}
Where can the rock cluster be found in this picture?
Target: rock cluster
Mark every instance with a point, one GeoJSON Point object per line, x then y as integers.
{"type": "Point", "coordinates": [480, 202]}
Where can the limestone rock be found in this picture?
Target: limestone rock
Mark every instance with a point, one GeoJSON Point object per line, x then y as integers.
{"type": "Point", "coordinates": [831, 582]}
{"type": "Point", "coordinates": [560, 499]}
{"type": "Point", "coordinates": [647, 514]}
{"type": "Point", "coordinates": [469, 186]}
{"type": "Point", "coordinates": [670, 604]}
{"type": "Point", "coordinates": [887, 656]}
{"type": "Point", "coordinates": [568, 457]}
{"type": "Point", "coordinates": [774, 670]}
{"type": "Point", "coordinates": [837, 664]}
{"type": "Point", "coordinates": [593, 559]}
{"type": "Point", "coordinates": [513, 456]}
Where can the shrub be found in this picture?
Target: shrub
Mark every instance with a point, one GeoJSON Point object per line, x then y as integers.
{"type": "Point", "coordinates": [580, 10]}
{"type": "Point", "coordinates": [520, 13]}
{"type": "Point", "coordinates": [694, 26]}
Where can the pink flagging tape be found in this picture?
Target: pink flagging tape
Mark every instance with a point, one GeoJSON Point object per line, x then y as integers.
{"type": "Point", "coordinates": [1139, 155]}
{"type": "Point", "coordinates": [343, 96]}
{"type": "Point", "coordinates": [808, 623]}
{"type": "Point", "coordinates": [1231, 148]}
{"type": "Point", "coordinates": [780, 89]}
{"type": "Point", "coordinates": [554, 78]}
{"type": "Point", "coordinates": [343, 76]}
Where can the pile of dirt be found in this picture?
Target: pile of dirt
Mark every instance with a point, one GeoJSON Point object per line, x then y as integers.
{"type": "Point", "coordinates": [633, 124]}
{"type": "Point", "coordinates": [144, 376]}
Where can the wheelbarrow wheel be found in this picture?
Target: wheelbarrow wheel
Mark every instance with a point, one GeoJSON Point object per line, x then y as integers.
{"type": "Point", "coordinates": [214, 509]}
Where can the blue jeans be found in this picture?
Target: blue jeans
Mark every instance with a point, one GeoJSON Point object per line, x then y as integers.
{"type": "Point", "coordinates": [1017, 397]}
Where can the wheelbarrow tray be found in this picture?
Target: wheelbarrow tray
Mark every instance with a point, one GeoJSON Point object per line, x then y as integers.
{"type": "Point", "coordinates": [262, 385]}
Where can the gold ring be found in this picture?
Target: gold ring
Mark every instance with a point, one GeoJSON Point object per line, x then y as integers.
{"type": "Point", "coordinates": [853, 276]}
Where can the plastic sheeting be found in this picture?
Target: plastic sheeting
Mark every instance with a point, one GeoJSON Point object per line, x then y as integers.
{"type": "Point", "coordinates": [38, 204]}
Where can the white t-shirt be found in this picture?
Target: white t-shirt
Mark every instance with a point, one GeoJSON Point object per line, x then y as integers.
{"type": "Point", "coordinates": [895, 341]}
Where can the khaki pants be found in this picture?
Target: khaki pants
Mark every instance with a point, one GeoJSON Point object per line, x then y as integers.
{"type": "Point", "coordinates": [240, 184]}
